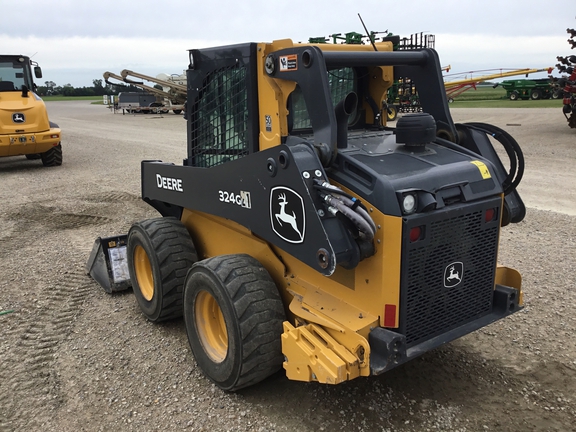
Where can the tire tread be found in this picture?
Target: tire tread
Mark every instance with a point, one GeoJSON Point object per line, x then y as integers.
{"type": "Point", "coordinates": [176, 254]}
{"type": "Point", "coordinates": [52, 157]}
{"type": "Point", "coordinates": [259, 311]}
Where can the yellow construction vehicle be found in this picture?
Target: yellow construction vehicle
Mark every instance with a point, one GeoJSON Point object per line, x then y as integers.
{"type": "Point", "coordinates": [24, 125]}
{"type": "Point", "coordinates": [301, 232]}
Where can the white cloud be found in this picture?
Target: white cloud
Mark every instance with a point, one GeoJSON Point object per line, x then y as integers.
{"type": "Point", "coordinates": [478, 52]}
{"type": "Point", "coordinates": [78, 59]}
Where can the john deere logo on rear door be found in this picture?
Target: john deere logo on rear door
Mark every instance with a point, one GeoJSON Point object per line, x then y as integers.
{"type": "Point", "coordinates": [18, 118]}
{"type": "Point", "coordinates": [287, 214]}
{"type": "Point", "coordinates": [453, 274]}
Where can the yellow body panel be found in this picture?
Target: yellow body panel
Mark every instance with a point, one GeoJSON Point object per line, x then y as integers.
{"type": "Point", "coordinates": [511, 278]}
{"type": "Point", "coordinates": [32, 136]}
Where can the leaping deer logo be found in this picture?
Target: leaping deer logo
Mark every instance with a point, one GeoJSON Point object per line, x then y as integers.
{"type": "Point", "coordinates": [18, 118]}
{"type": "Point", "coordinates": [285, 217]}
{"type": "Point", "coordinates": [287, 214]}
{"type": "Point", "coordinates": [453, 274]}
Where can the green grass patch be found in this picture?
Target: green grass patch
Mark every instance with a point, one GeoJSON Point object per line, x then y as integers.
{"type": "Point", "coordinates": [488, 97]}
{"type": "Point", "coordinates": [480, 93]}
{"type": "Point", "coordinates": [506, 103]}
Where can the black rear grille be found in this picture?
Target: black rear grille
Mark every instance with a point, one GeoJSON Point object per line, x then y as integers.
{"type": "Point", "coordinates": [429, 308]}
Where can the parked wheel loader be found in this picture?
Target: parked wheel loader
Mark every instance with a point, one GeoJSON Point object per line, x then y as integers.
{"type": "Point", "coordinates": [302, 232]}
{"type": "Point", "coordinates": [24, 125]}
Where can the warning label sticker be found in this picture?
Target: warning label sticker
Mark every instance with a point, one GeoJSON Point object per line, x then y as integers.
{"type": "Point", "coordinates": [268, 121]}
{"type": "Point", "coordinates": [484, 171]}
{"type": "Point", "coordinates": [288, 63]}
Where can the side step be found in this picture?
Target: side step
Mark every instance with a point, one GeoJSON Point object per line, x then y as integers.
{"type": "Point", "coordinates": [108, 263]}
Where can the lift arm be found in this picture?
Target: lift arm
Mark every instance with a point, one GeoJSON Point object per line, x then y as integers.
{"type": "Point", "coordinates": [178, 88]}
{"type": "Point", "coordinates": [177, 98]}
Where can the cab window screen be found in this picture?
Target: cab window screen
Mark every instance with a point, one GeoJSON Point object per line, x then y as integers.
{"type": "Point", "coordinates": [220, 118]}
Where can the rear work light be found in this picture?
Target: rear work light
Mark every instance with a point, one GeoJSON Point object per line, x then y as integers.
{"type": "Point", "coordinates": [490, 215]}
{"type": "Point", "coordinates": [416, 233]}
{"type": "Point", "coordinates": [409, 203]}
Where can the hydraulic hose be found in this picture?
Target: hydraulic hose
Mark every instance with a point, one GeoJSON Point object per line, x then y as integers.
{"type": "Point", "coordinates": [358, 221]}
{"type": "Point", "coordinates": [350, 207]}
{"type": "Point", "coordinates": [513, 151]}
{"type": "Point", "coordinates": [360, 210]}
{"type": "Point", "coordinates": [349, 201]}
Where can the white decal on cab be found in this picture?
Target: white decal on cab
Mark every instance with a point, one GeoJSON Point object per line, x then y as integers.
{"type": "Point", "coordinates": [169, 183]}
{"type": "Point", "coordinates": [242, 199]}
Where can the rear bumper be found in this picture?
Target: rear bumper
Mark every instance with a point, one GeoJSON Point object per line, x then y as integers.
{"type": "Point", "coordinates": [29, 143]}
{"type": "Point", "coordinates": [388, 348]}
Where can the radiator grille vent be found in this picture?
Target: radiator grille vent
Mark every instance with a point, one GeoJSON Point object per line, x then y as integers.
{"type": "Point", "coordinates": [431, 308]}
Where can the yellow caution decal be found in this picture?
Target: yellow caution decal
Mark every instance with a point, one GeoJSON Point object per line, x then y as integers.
{"type": "Point", "coordinates": [484, 171]}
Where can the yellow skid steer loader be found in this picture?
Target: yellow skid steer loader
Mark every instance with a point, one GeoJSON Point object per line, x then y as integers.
{"type": "Point", "coordinates": [302, 232]}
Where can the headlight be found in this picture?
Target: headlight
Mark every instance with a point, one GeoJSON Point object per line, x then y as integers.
{"type": "Point", "coordinates": [409, 203]}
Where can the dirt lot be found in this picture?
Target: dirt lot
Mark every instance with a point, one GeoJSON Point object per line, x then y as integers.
{"type": "Point", "coordinates": [73, 358]}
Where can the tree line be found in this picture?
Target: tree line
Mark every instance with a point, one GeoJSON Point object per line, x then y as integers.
{"type": "Point", "coordinates": [99, 88]}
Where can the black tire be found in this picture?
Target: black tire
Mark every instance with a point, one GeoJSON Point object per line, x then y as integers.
{"type": "Point", "coordinates": [514, 95]}
{"type": "Point", "coordinates": [160, 253]}
{"type": "Point", "coordinates": [177, 111]}
{"type": "Point", "coordinates": [233, 315]}
{"type": "Point", "coordinates": [535, 94]}
{"type": "Point", "coordinates": [557, 94]}
{"type": "Point", "coordinates": [52, 157]}
{"type": "Point", "coordinates": [34, 156]}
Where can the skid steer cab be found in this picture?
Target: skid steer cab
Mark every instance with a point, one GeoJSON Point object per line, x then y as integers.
{"type": "Point", "coordinates": [24, 126]}
{"type": "Point", "coordinates": [302, 232]}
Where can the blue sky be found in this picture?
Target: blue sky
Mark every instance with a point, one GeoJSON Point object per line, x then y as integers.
{"type": "Point", "coordinates": [76, 41]}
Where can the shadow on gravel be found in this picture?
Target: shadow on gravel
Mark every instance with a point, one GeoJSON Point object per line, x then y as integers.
{"type": "Point", "coordinates": [20, 164]}
{"type": "Point", "coordinates": [451, 388]}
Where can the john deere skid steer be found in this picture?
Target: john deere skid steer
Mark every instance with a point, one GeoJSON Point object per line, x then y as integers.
{"type": "Point", "coordinates": [24, 125]}
{"type": "Point", "coordinates": [301, 232]}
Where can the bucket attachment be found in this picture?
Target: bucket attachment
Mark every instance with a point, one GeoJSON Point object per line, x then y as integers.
{"type": "Point", "coordinates": [108, 263]}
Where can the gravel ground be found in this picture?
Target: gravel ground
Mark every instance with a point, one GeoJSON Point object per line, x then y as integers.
{"type": "Point", "coordinates": [73, 358]}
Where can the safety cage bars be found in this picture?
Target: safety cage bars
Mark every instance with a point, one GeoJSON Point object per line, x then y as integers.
{"type": "Point", "coordinates": [222, 105]}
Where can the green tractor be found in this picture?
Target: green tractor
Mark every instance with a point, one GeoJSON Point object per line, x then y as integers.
{"type": "Point", "coordinates": [529, 89]}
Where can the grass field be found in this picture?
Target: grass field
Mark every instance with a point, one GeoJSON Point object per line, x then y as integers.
{"type": "Point", "coordinates": [506, 103]}
{"type": "Point", "coordinates": [488, 97]}
{"type": "Point", "coordinates": [482, 97]}
{"type": "Point", "coordinates": [482, 93]}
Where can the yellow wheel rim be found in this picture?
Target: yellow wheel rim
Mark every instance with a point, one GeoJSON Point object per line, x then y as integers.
{"type": "Point", "coordinates": [143, 271]}
{"type": "Point", "coordinates": [211, 326]}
